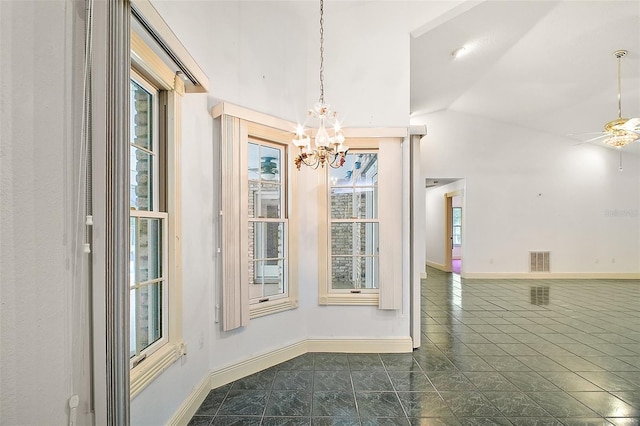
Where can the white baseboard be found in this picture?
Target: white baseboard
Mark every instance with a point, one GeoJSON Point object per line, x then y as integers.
{"type": "Point", "coordinates": [438, 266]}
{"type": "Point", "coordinates": [554, 275]}
{"type": "Point", "coordinates": [257, 363]}
{"type": "Point", "coordinates": [252, 365]}
{"type": "Point", "coordinates": [192, 403]}
{"type": "Point", "coordinates": [384, 345]}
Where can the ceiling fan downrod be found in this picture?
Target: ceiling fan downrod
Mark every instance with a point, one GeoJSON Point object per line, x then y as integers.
{"type": "Point", "coordinates": [619, 54]}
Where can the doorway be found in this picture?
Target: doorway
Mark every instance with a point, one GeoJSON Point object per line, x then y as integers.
{"type": "Point", "coordinates": [453, 232]}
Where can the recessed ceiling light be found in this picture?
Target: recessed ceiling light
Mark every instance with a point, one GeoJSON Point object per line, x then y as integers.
{"type": "Point", "coordinates": [461, 51]}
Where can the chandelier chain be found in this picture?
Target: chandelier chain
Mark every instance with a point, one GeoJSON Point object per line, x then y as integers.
{"type": "Point", "coordinates": [321, 51]}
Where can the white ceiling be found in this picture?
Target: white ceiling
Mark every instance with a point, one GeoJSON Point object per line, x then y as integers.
{"type": "Point", "coordinates": [543, 65]}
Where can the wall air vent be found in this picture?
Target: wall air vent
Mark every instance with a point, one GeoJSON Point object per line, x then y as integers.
{"type": "Point", "coordinates": [538, 261]}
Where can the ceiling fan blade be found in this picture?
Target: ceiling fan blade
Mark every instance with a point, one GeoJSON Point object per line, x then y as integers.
{"type": "Point", "coordinates": [602, 135]}
{"type": "Point", "coordinates": [631, 125]}
{"type": "Point", "coordinates": [586, 134]}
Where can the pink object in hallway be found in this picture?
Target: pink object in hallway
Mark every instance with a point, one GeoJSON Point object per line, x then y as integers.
{"type": "Point", "coordinates": [456, 264]}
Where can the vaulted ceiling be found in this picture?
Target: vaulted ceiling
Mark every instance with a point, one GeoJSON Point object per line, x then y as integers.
{"type": "Point", "coordinates": [543, 65]}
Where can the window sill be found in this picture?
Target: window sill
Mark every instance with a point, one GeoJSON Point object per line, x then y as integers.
{"type": "Point", "coordinates": [350, 299]}
{"type": "Point", "coordinates": [261, 309]}
{"type": "Point", "coordinates": [147, 371]}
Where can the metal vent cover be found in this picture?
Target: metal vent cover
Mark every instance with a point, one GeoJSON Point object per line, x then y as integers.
{"type": "Point", "coordinates": [539, 261]}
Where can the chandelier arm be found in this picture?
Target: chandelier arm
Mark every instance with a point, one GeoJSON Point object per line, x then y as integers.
{"type": "Point", "coordinates": [313, 164]}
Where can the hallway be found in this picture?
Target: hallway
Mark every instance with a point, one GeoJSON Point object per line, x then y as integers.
{"type": "Point", "coordinates": [494, 352]}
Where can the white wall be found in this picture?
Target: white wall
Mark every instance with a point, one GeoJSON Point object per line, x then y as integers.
{"type": "Point", "coordinates": [39, 353]}
{"type": "Point", "coordinates": [264, 55]}
{"type": "Point", "coordinates": [527, 190]}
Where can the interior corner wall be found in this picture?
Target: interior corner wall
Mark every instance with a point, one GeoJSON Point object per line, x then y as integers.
{"type": "Point", "coordinates": [529, 191]}
{"type": "Point", "coordinates": [435, 217]}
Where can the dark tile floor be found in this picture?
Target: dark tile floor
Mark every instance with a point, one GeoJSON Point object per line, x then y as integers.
{"type": "Point", "coordinates": [494, 352]}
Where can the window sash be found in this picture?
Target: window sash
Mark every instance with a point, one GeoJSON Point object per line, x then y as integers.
{"type": "Point", "coordinates": [154, 148]}
{"type": "Point", "coordinates": [141, 353]}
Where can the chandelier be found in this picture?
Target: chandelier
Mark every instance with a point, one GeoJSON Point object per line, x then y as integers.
{"type": "Point", "coordinates": [328, 148]}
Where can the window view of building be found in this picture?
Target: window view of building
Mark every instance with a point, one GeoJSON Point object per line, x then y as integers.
{"type": "Point", "coordinates": [354, 222]}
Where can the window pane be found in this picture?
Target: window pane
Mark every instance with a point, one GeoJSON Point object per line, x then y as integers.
{"type": "Point", "coordinates": [365, 201]}
{"type": "Point", "coordinates": [342, 238]}
{"type": "Point", "coordinates": [358, 203]}
{"type": "Point", "coordinates": [270, 163]}
{"type": "Point", "coordinates": [253, 161]}
{"type": "Point", "coordinates": [141, 117]}
{"type": "Point", "coordinates": [146, 317]}
{"type": "Point", "coordinates": [269, 200]}
{"type": "Point", "coordinates": [354, 238]}
{"type": "Point", "coordinates": [365, 171]}
{"type": "Point", "coordinates": [146, 249]}
{"type": "Point", "coordinates": [266, 278]}
{"type": "Point", "coordinates": [342, 272]}
{"type": "Point", "coordinates": [141, 179]}
{"type": "Point", "coordinates": [457, 216]}
{"type": "Point", "coordinates": [342, 203]}
{"type": "Point", "coordinates": [266, 240]}
{"type": "Point", "coordinates": [254, 195]}
{"type": "Point", "coordinates": [357, 272]}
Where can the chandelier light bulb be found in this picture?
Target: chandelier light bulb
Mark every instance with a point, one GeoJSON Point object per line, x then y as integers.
{"type": "Point", "coordinates": [322, 137]}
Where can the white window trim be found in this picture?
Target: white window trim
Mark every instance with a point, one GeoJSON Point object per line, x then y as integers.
{"type": "Point", "coordinates": [237, 126]}
{"type": "Point", "coordinates": [147, 63]}
{"type": "Point", "coordinates": [389, 292]}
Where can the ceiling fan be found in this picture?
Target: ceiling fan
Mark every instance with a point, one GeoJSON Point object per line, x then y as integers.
{"type": "Point", "coordinates": [621, 131]}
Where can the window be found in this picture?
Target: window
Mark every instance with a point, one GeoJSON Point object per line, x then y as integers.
{"type": "Point", "coordinates": [155, 278]}
{"type": "Point", "coordinates": [148, 225]}
{"type": "Point", "coordinates": [360, 239]}
{"type": "Point", "coordinates": [353, 206]}
{"type": "Point", "coordinates": [457, 226]}
{"type": "Point", "coordinates": [258, 238]}
{"type": "Point", "coordinates": [267, 222]}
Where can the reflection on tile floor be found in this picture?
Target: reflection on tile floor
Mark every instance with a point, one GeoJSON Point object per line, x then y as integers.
{"type": "Point", "coordinates": [494, 352]}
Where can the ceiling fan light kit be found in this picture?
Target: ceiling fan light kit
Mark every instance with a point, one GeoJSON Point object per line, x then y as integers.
{"type": "Point", "coordinates": [621, 131]}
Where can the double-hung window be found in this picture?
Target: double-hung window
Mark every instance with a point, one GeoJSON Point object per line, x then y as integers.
{"type": "Point", "coordinates": [258, 238]}
{"type": "Point", "coordinates": [354, 228]}
{"type": "Point", "coordinates": [155, 276]}
{"type": "Point", "coordinates": [360, 226]}
{"type": "Point", "coordinates": [148, 219]}
{"type": "Point", "coordinates": [267, 181]}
